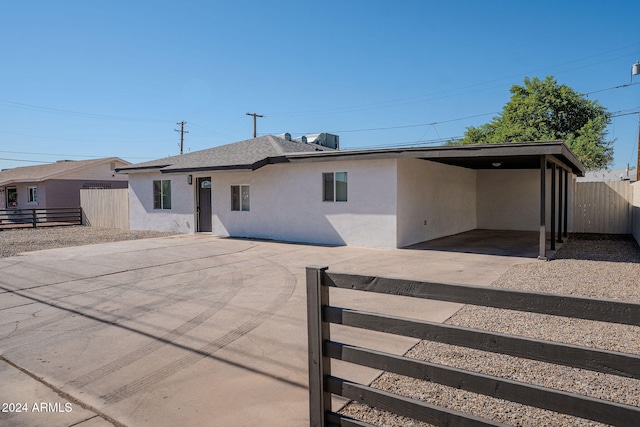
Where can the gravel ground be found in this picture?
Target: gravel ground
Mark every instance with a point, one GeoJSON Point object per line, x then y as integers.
{"type": "Point", "coordinates": [15, 241]}
{"type": "Point", "coordinates": [585, 266]}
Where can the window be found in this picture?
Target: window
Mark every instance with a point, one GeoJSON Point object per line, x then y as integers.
{"type": "Point", "coordinates": [12, 197]}
{"type": "Point", "coordinates": [240, 198]}
{"type": "Point", "coordinates": [162, 194]}
{"type": "Point", "coordinates": [33, 195]}
{"type": "Point", "coordinates": [334, 187]}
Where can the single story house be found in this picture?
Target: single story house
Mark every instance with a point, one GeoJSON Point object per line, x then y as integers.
{"type": "Point", "coordinates": [275, 188]}
{"type": "Point", "coordinates": [57, 185]}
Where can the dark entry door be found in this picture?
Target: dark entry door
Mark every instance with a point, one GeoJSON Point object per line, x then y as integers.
{"type": "Point", "coordinates": [204, 204]}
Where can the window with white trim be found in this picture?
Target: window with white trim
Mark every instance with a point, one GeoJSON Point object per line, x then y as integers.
{"type": "Point", "coordinates": [162, 194]}
{"type": "Point", "coordinates": [240, 198]}
{"type": "Point", "coordinates": [334, 187]}
{"type": "Point", "coordinates": [33, 195]}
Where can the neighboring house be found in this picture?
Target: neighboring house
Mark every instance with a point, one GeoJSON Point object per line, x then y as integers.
{"type": "Point", "coordinates": [57, 185]}
{"type": "Point", "coordinates": [603, 175]}
{"type": "Point", "coordinates": [273, 188]}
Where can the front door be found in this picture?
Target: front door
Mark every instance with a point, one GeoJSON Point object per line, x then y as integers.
{"type": "Point", "coordinates": [204, 204]}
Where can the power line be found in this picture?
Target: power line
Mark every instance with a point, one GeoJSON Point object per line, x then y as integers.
{"type": "Point", "coordinates": [405, 144]}
{"type": "Point", "coordinates": [610, 88]}
{"type": "Point", "coordinates": [443, 93]}
{"type": "Point", "coordinates": [414, 125]}
{"type": "Point", "coordinates": [22, 160]}
{"type": "Point", "coordinates": [66, 155]}
{"type": "Point", "coordinates": [77, 113]}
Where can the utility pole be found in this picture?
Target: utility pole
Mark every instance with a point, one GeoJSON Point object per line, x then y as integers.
{"type": "Point", "coordinates": [255, 116]}
{"type": "Point", "coordinates": [182, 132]}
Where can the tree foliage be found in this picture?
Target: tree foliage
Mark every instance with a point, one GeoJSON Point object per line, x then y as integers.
{"type": "Point", "coordinates": [543, 110]}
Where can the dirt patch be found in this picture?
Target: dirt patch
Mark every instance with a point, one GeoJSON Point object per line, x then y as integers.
{"type": "Point", "coordinates": [13, 242]}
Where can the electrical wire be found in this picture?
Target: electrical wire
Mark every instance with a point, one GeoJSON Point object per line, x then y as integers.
{"type": "Point", "coordinates": [22, 160]}
{"type": "Point", "coordinates": [77, 113]}
{"type": "Point", "coordinates": [610, 88]}
{"type": "Point", "coordinates": [64, 155]}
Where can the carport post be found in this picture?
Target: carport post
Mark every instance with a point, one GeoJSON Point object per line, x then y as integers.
{"type": "Point", "coordinates": [560, 205]}
{"type": "Point", "coordinates": [566, 201]}
{"type": "Point", "coordinates": [318, 332]}
{"type": "Point", "coordinates": [543, 209]}
{"type": "Point", "coordinates": [553, 206]}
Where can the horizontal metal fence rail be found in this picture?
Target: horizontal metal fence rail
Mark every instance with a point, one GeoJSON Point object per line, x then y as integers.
{"type": "Point", "coordinates": [34, 217]}
{"type": "Point", "coordinates": [322, 350]}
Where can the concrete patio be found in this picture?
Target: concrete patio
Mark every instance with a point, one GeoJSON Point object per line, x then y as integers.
{"type": "Point", "coordinates": [188, 330]}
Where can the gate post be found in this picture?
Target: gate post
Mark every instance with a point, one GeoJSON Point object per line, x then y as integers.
{"type": "Point", "coordinates": [318, 332]}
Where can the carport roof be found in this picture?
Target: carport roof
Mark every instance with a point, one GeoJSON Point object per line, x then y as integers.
{"type": "Point", "coordinates": [257, 152]}
{"type": "Point", "coordinates": [524, 155]}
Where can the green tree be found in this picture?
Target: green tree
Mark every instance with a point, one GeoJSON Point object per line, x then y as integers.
{"type": "Point", "coordinates": [543, 110]}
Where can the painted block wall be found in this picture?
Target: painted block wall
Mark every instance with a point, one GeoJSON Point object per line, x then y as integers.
{"type": "Point", "coordinates": [443, 195]}
{"type": "Point", "coordinates": [180, 218]}
{"type": "Point", "coordinates": [286, 204]}
{"type": "Point", "coordinates": [510, 199]}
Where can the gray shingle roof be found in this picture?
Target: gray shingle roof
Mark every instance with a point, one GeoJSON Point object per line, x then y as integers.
{"type": "Point", "coordinates": [248, 154]}
{"type": "Point", "coordinates": [40, 173]}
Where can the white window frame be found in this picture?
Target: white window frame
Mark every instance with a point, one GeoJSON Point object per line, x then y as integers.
{"type": "Point", "coordinates": [162, 194]}
{"type": "Point", "coordinates": [32, 195]}
{"type": "Point", "coordinates": [334, 187]}
{"type": "Point", "coordinates": [244, 198]}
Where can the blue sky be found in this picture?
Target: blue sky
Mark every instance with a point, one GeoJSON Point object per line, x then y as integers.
{"type": "Point", "coordinates": [86, 79]}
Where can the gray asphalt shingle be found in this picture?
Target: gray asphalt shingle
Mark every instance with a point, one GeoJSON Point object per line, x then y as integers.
{"type": "Point", "coordinates": [241, 155]}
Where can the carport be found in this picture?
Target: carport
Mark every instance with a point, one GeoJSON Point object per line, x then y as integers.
{"type": "Point", "coordinates": [556, 166]}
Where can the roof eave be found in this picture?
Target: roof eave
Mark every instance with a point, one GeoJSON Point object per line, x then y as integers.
{"type": "Point", "coordinates": [228, 168]}
{"type": "Point", "coordinates": [140, 169]}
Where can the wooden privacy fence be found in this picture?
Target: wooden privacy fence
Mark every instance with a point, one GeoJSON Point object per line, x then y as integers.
{"type": "Point", "coordinates": [322, 350]}
{"type": "Point", "coordinates": [603, 207]}
{"type": "Point", "coordinates": [105, 207]}
{"type": "Point", "coordinates": [35, 217]}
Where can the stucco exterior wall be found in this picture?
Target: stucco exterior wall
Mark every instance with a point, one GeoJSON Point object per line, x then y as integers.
{"type": "Point", "coordinates": [63, 193]}
{"type": "Point", "coordinates": [101, 172]}
{"type": "Point", "coordinates": [510, 199]}
{"type": "Point", "coordinates": [23, 195]}
{"type": "Point", "coordinates": [286, 204]}
{"type": "Point", "coordinates": [444, 196]}
{"type": "Point", "coordinates": [180, 218]}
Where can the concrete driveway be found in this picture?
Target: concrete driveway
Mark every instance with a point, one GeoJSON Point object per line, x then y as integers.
{"type": "Point", "coordinates": [188, 330]}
